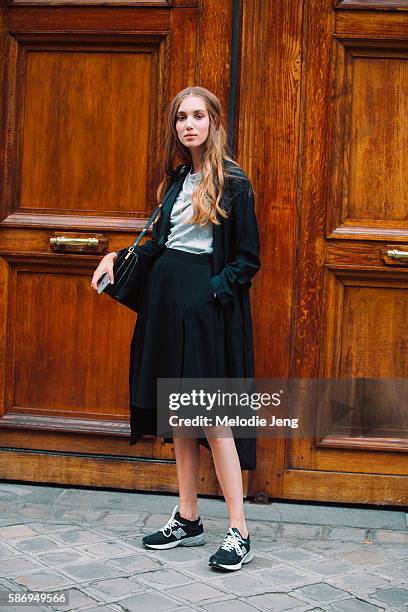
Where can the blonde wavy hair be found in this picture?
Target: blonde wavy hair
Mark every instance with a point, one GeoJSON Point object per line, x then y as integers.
{"type": "Point", "coordinates": [207, 195]}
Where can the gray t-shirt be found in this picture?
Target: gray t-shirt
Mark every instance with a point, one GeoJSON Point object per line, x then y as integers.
{"type": "Point", "coordinates": [184, 236]}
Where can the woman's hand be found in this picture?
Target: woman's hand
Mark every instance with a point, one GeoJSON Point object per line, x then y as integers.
{"type": "Point", "coordinates": [105, 265]}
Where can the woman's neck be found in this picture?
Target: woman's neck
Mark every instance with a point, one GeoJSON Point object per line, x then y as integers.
{"type": "Point", "coordinates": [197, 161]}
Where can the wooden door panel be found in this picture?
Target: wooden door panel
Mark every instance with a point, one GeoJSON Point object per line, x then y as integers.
{"type": "Point", "coordinates": [369, 187]}
{"type": "Point", "coordinates": [58, 331]}
{"type": "Point", "coordinates": [91, 470]}
{"type": "Point", "coordinates": [82, 123]}
{"type": "Point", "coordinates": [353, 302]}
{"type": "Point", "coordinates": [368, 343]}
{"type": "Point", "coordinates": [86, 90]}
{"type": "Point", "coordinates": [358, 488]}
{"type": "Point", "coordinates": [364, 352]}
{"type": "Point", "coordinates": [87, 120]}
{"type": "Point", "coordinates": [88, 127]}
{"type": "Point", "coordinates": [369, 462]}
{"type": "Point", "coordinates": [63, 361]}
{"type": "Point", "coordinates": [387, 23]}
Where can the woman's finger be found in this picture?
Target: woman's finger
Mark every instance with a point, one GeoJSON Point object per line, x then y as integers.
{"type": "Point", "coordinates": [110, 272]}
{"type": "Point", "coordinates": [106, 265]}
{"type": "Point", "coordinates": [96, 276]}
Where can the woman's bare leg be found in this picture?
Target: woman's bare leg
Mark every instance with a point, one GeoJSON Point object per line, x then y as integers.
{"type": "Point", "coordinates": [188, 465]}
{"type": "Point", "coordinates": [228, 470]}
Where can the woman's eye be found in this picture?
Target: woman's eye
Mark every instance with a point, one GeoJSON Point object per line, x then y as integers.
{"type": "Point", "coordinates": [183, 118]}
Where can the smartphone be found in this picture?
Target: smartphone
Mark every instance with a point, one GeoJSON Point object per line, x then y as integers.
{"type": "Point", "coordinates": [103, 282]}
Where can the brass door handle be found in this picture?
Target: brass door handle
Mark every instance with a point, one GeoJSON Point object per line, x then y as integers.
{"type": "Point", "coordinates": [396, 254]}
{"type": "Point", "coordinates": [64, 241]}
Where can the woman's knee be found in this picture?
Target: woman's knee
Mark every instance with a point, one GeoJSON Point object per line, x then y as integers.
{"type": "Point", "coordinates": [218, 435]}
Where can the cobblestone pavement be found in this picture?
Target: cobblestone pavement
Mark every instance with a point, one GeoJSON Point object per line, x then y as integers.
{"type": "Point", "coordinates": [87, 543]}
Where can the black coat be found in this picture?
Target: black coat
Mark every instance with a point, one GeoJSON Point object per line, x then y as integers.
{"type": "Point", "coordinates": [235, 262]}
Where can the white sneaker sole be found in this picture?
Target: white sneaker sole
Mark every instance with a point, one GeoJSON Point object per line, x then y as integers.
{"type": "Point", "coordinates": [248, 557]}
{"type": "Point", "coordinates": [198, 540]}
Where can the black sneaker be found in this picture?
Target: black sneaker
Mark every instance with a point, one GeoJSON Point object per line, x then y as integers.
{"type": "Point", "coordinates": [176, 532]}
{"type": "Point", "coordinates": [233, 552]}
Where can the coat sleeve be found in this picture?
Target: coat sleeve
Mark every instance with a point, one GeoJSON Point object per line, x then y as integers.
{"type": "Point", "coordinates": [245, 262]}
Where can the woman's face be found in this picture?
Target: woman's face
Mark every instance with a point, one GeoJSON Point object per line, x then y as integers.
{"type": "Point", "coordinates": [192, 122]}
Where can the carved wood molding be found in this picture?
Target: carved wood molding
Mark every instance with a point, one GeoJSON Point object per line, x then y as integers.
{"type": "Point", "coordinates": [360, 229]}
{"type": "Point", "coordinates": [380, 5]}
{"type": "Point", "coordinates": [56, 423]}
{"type": "Point", "coordinates": [50, 262]}
{"type": "Point", "coordinates": [360, 276]}
{"type": "Point", "coordinates": [126, 223]}
{"type": "Point", "coordinates": [386, 443]}
{"type": "Point", "coordinates": [89, 40]}
{"type": "Point", "coordinates": [101, 3]}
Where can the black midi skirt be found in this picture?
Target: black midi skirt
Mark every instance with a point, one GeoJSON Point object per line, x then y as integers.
{"type": "Point", "coordinates": [179, 333]}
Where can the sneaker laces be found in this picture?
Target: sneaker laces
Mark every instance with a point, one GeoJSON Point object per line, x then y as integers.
{"type": "Point", "coordinates": [232, 541]}
{"type": "Point", "coordinates": [172, 522]}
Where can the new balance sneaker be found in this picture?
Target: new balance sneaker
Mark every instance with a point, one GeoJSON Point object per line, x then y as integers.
{"type": "Point", "coordinates": [233, 552]}
{"type": "Point", "coordinates": [176, 532]}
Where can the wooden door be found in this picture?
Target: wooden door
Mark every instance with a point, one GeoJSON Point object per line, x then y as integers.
{"type": "Point", "coordinates": [352, 296]}
{"type": "Point", "coordinates": [85, 89]}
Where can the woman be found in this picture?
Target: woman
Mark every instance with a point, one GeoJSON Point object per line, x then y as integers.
{"type": "Point", "coordinates": [195, 317]}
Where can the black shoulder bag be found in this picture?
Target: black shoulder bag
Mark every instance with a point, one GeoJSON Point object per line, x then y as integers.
{"type": "Point", "coordinates": [130, 271]}
{"type": "Point", "coordinates": [132, 265]}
